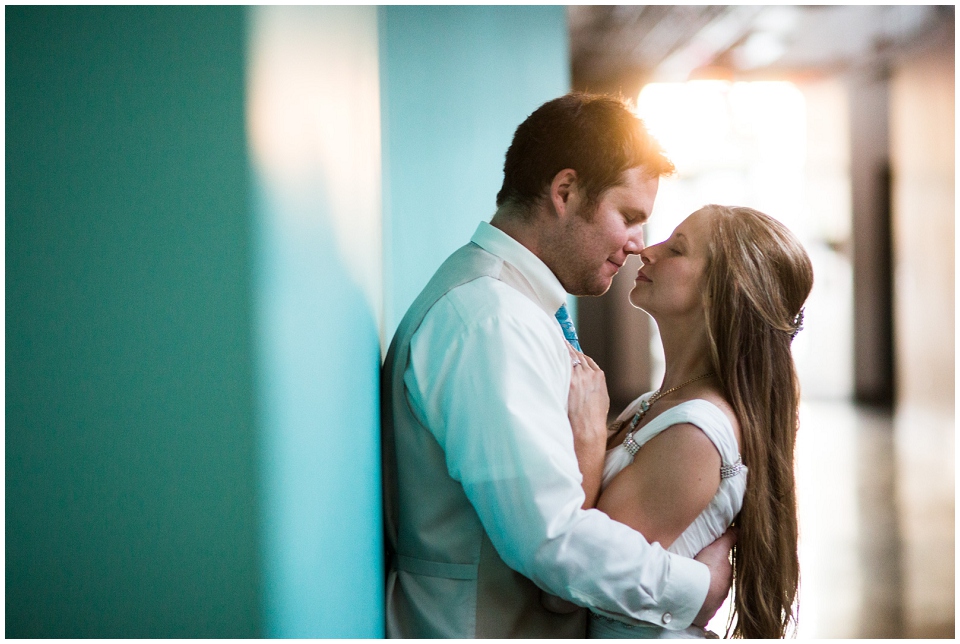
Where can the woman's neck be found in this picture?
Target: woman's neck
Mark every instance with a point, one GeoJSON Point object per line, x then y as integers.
{"type": "Point", "coordinates": [686, 353]}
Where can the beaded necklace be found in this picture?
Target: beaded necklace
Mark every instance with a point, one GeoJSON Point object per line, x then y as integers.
{"type": "Point", "coordinates": [631, 445]}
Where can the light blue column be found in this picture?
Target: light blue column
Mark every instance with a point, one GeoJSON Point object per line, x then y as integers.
{"type": "Point", "coordinates": [456, 83]}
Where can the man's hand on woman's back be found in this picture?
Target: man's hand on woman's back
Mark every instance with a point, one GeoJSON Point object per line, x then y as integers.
{"type": "Point", "coordinates": [716, 557]}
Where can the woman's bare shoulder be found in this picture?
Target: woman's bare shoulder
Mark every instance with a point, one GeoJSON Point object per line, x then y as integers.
{"type": "Point", "coordinates": [720, 402]}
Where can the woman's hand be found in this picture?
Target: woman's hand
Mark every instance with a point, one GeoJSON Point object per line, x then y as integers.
{"type": "Point", "coordinates": [587, 405]}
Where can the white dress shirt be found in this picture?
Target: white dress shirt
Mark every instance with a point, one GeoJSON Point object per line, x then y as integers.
{"type": "Point", "coordinates": [489, 375]}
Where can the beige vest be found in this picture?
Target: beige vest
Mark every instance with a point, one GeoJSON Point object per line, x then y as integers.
{"type": "Point", "coordinates": [444, 578]}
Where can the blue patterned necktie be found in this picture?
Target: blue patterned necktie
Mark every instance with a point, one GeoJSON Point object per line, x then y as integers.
{"type": "Point", "coordinates": [563, 317]}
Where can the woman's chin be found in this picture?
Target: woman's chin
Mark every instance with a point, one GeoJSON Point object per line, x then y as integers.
{"type": "Point", "coordinates": [637, 299]}
{"type": "Point", "coordinates": [641, 306]}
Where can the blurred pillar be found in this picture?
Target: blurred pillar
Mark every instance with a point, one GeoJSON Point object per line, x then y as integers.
{"type": "Point", "coordinates": [872, 262]}
{"type": "Point", "coordinates": [922, 118]}
{"type": "Point", "coordinates": [924, 166]}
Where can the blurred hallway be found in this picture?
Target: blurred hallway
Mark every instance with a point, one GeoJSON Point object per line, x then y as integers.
{"type": "Point", "coordinates": [837, 120]}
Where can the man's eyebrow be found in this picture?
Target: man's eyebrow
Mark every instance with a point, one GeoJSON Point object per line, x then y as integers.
{"type": "Point", "coordinates": [681, 236]}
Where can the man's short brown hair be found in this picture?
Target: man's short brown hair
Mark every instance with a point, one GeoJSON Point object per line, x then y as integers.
{"type": "Point", "coordinates": [597, 135]}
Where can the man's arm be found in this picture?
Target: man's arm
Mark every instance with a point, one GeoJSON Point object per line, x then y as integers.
{"type": "Point", "coordinates": [494, 395]}
{"type": "Point", "coordinates": [662, 491]}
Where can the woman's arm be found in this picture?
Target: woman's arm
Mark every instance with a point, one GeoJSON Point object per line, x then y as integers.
{"type": "Point", "coordinates": [587, 407]}
{"type": "Point", "coordinates": [672, 479]}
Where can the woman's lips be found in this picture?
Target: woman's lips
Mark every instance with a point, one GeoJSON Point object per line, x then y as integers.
{"type": "Point", "coordinates": [643, 278]}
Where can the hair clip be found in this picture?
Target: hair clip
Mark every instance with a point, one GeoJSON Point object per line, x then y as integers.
{"type": "Point", "coordinates": [797, 323]}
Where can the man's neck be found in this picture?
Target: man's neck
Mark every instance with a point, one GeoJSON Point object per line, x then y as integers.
{"type": "Point", "coordinates": [520, 227]}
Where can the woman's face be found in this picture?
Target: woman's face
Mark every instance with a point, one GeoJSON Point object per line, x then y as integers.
{"type": "Point", "coordinates": [669, 283]}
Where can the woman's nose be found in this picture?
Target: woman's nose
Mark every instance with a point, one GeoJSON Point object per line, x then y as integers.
{"type": "Point", "coordinates": [651, 254]}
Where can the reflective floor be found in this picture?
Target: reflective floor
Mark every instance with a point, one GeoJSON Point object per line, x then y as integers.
{"type": "Point", "coordinates": [876, 496]}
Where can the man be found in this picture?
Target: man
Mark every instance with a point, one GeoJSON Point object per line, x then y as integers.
{"type": "Point", "coordinates": [482, 486]}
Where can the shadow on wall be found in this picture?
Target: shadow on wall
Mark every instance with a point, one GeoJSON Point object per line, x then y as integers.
{"type": "Point", "coordinates": [317, 386]}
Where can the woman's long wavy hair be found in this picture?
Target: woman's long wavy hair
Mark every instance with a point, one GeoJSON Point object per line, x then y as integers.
{"type": "Point", "coordinates": [757, 279]}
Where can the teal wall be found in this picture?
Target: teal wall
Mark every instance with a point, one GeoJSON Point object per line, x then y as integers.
{"type": "Point", "coordinates": [208, 244]}
{"type": "Point", "coordinates": [131, 470]}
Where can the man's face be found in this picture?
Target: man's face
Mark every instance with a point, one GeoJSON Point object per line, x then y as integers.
{"type": "Point", "coordinates": [594, 246]}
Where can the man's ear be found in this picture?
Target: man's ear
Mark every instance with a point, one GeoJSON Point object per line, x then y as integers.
{"type": "Point", "coordinates": [564, 189]}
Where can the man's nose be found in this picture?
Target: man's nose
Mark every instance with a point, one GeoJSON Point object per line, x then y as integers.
{"type": "Point", "coordinates": [635, 245]}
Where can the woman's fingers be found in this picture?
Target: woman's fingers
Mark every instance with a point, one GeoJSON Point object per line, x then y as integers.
{"type": "Point", "coordinates": [588, 360]}
{"type": "Point", "coordinates": [576, 358]}
{"type": "Point", "coordinates": [582, 360]}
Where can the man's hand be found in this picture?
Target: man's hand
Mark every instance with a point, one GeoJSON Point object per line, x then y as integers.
{"type": "Point", "coordinates": [716, 558]}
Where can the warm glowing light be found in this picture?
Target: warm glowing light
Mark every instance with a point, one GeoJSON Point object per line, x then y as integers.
{"type": "Point", "coordinates": [313, 118]}
{"type": "Point", "coordinates": [712, 124]}
{"type": "Point", "coordinates": [740, 143]}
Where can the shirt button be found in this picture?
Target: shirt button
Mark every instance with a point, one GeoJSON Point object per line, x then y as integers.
{"type": "Point", "coordinates": [667, 618]}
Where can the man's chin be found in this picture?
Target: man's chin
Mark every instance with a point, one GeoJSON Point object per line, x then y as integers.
{"type": "Point", "coordinates": [595, 289]}
{"type": "Point", "coordinates": [602, 290]}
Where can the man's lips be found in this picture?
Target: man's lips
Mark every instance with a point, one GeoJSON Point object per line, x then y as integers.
{"type": "Point", "coordinates": [643, 278]}
{"type": "Point", "coordinates": [618, 266]}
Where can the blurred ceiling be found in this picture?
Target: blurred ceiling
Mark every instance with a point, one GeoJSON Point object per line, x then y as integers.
{"type": "Point", "coordinates": [622, 47]}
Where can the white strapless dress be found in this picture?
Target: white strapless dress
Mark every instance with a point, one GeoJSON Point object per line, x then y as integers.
{"type": "Point", "coordinates": [712, 522]}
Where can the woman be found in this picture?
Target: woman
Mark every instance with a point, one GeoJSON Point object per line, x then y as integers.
{"type": "Point", "coordinates": [726, 290]}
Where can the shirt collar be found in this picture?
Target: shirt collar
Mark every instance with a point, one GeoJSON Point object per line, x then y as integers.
{"type": "Point", "coordinates": [544, 283]}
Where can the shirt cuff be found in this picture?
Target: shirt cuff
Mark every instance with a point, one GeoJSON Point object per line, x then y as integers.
{"type": "Point", "coordinates": [686, 592]}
